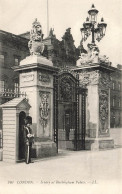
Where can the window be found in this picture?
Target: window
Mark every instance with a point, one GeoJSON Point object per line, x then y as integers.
{"type": "Point", "coordinates": [113, 85]}
{"type": "Point", "coordinates": [2, 59]}
{"type": "Point", "coordinates": [113, 102]}
{"type": "Point", "coordinates": [119, 86]}
{"type": "Point", "coordinates": [2, 86]}
{"type": "Point", "coordinates": [16, 87]}
{"type": "Point", "coordinates": [16, 61]}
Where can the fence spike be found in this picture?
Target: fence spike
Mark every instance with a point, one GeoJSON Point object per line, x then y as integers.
{"type": "Point", "coordinates": [11, 92]}
{"type": "Point", "coordinates": [14, 93]}
{"type": "Point", "coordinates": [5, 92]}
{"type": "Point", "coordinates": [8, 93]}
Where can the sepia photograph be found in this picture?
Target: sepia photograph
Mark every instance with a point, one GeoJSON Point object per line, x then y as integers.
{"type": "Point", "coordinates": [60, 97]}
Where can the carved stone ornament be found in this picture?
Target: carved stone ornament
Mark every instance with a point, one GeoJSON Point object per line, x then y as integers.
{"type": "Point", "coordinates": [68, 70]}
{"type": "Point", "coordinates": [105, 80]}
{"type": "Point", "coordinates": [104, 59]}
{"type": "Point", "coordinates": [44, 78]}
{"type": "Point", "coordinates": [92, 56]}
{"type": "Point", "coordinates": [103, 108]}
{"type": "Point", "coordinates": [35, 44]}
{"type": "Point", "coordinates": [44, 108]}
{"type": "Point", "coordinates": [27, 77]}
{"type": "Point", "coordinates": [86, 78]}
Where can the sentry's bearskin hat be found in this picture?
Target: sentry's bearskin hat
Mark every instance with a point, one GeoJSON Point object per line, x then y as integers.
{"type": "Point", "coordinates": [28, 120]}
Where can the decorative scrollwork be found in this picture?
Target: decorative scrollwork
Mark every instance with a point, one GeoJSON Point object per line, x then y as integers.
{"type": "Point", "coordinates": [67, 70]}
{"type": "Point", "coordinates": [66, 89]}
{"type": "Point", "coordinates": [44, 78]}
{"type": "Point", "coordinates": [103, 107]}
{"type": "Point", "coordinates": [86, 78]}
{"type": "Point", "coordinates": [44, 109]}
{"type": "Point", "coordinates": [105, 80]}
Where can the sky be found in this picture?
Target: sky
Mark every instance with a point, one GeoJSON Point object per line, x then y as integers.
{"type": "Point", "coordinates": [16, 16]}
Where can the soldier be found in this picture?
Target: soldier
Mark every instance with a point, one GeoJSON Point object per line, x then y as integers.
{"type": "Point", "coordinates": [28, 139]}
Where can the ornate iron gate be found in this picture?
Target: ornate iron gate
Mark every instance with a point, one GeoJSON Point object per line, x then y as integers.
{"type": "Point", "coordinates": [69, 101]}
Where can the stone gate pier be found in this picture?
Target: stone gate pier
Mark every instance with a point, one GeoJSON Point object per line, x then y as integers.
{"type": "Point", "coordinates": [95, 75]}
{"type": "Point", "coordinates": [36, 79]}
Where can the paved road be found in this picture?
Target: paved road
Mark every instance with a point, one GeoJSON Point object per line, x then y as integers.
{"type": "Point", "coordinates": [69, 170]}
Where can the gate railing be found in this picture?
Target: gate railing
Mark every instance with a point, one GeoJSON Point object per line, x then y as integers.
{"type": "Point", "coordinates": [11, 94]}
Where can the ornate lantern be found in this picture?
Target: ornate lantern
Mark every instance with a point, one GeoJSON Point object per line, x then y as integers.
{"type": "Point", "coordinates": [87, 24]}
{"type": "Point", "coordinates": [91, 26]}
{"type": "Point", "coordinates": [102, 25]}
{"type": "Point", "coordinates": [93, 14]}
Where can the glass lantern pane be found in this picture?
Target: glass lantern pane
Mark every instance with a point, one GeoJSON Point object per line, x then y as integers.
{"type": "Point", "coordinates": [92, 18]}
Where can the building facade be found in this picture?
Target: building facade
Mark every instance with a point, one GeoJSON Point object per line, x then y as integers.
{"type": "Point", "coordinates": [116, 98]}
{"type": "Point", "coordinates": [12, 50]}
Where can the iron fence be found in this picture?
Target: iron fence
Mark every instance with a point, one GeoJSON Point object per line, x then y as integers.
{"type": "Point", "coordinates": [11, 94]}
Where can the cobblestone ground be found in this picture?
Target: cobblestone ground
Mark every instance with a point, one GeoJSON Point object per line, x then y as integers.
{"type": "Point", "coordinates": [69, 172]}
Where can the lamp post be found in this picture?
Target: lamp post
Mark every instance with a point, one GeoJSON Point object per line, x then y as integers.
{"type": "Point", "coordinates": [92, 27]}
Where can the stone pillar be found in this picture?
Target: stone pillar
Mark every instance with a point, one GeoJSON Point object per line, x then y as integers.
{"type": "Point", "coordinates": [36, 79]}
{"type": "Point", "coordinates": [96, 78]}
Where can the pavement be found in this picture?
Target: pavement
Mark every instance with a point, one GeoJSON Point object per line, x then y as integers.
{"type": "Point", "coordinates": [116, 134]}
{"type": "Point", "coordinates": [68, 172]}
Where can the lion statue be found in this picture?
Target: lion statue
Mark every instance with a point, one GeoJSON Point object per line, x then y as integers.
{"type": "Point", "coordinates": [35, 44]}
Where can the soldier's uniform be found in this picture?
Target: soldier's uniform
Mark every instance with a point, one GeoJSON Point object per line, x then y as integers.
{"type": "Point", "coordinates": [28, 139]}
